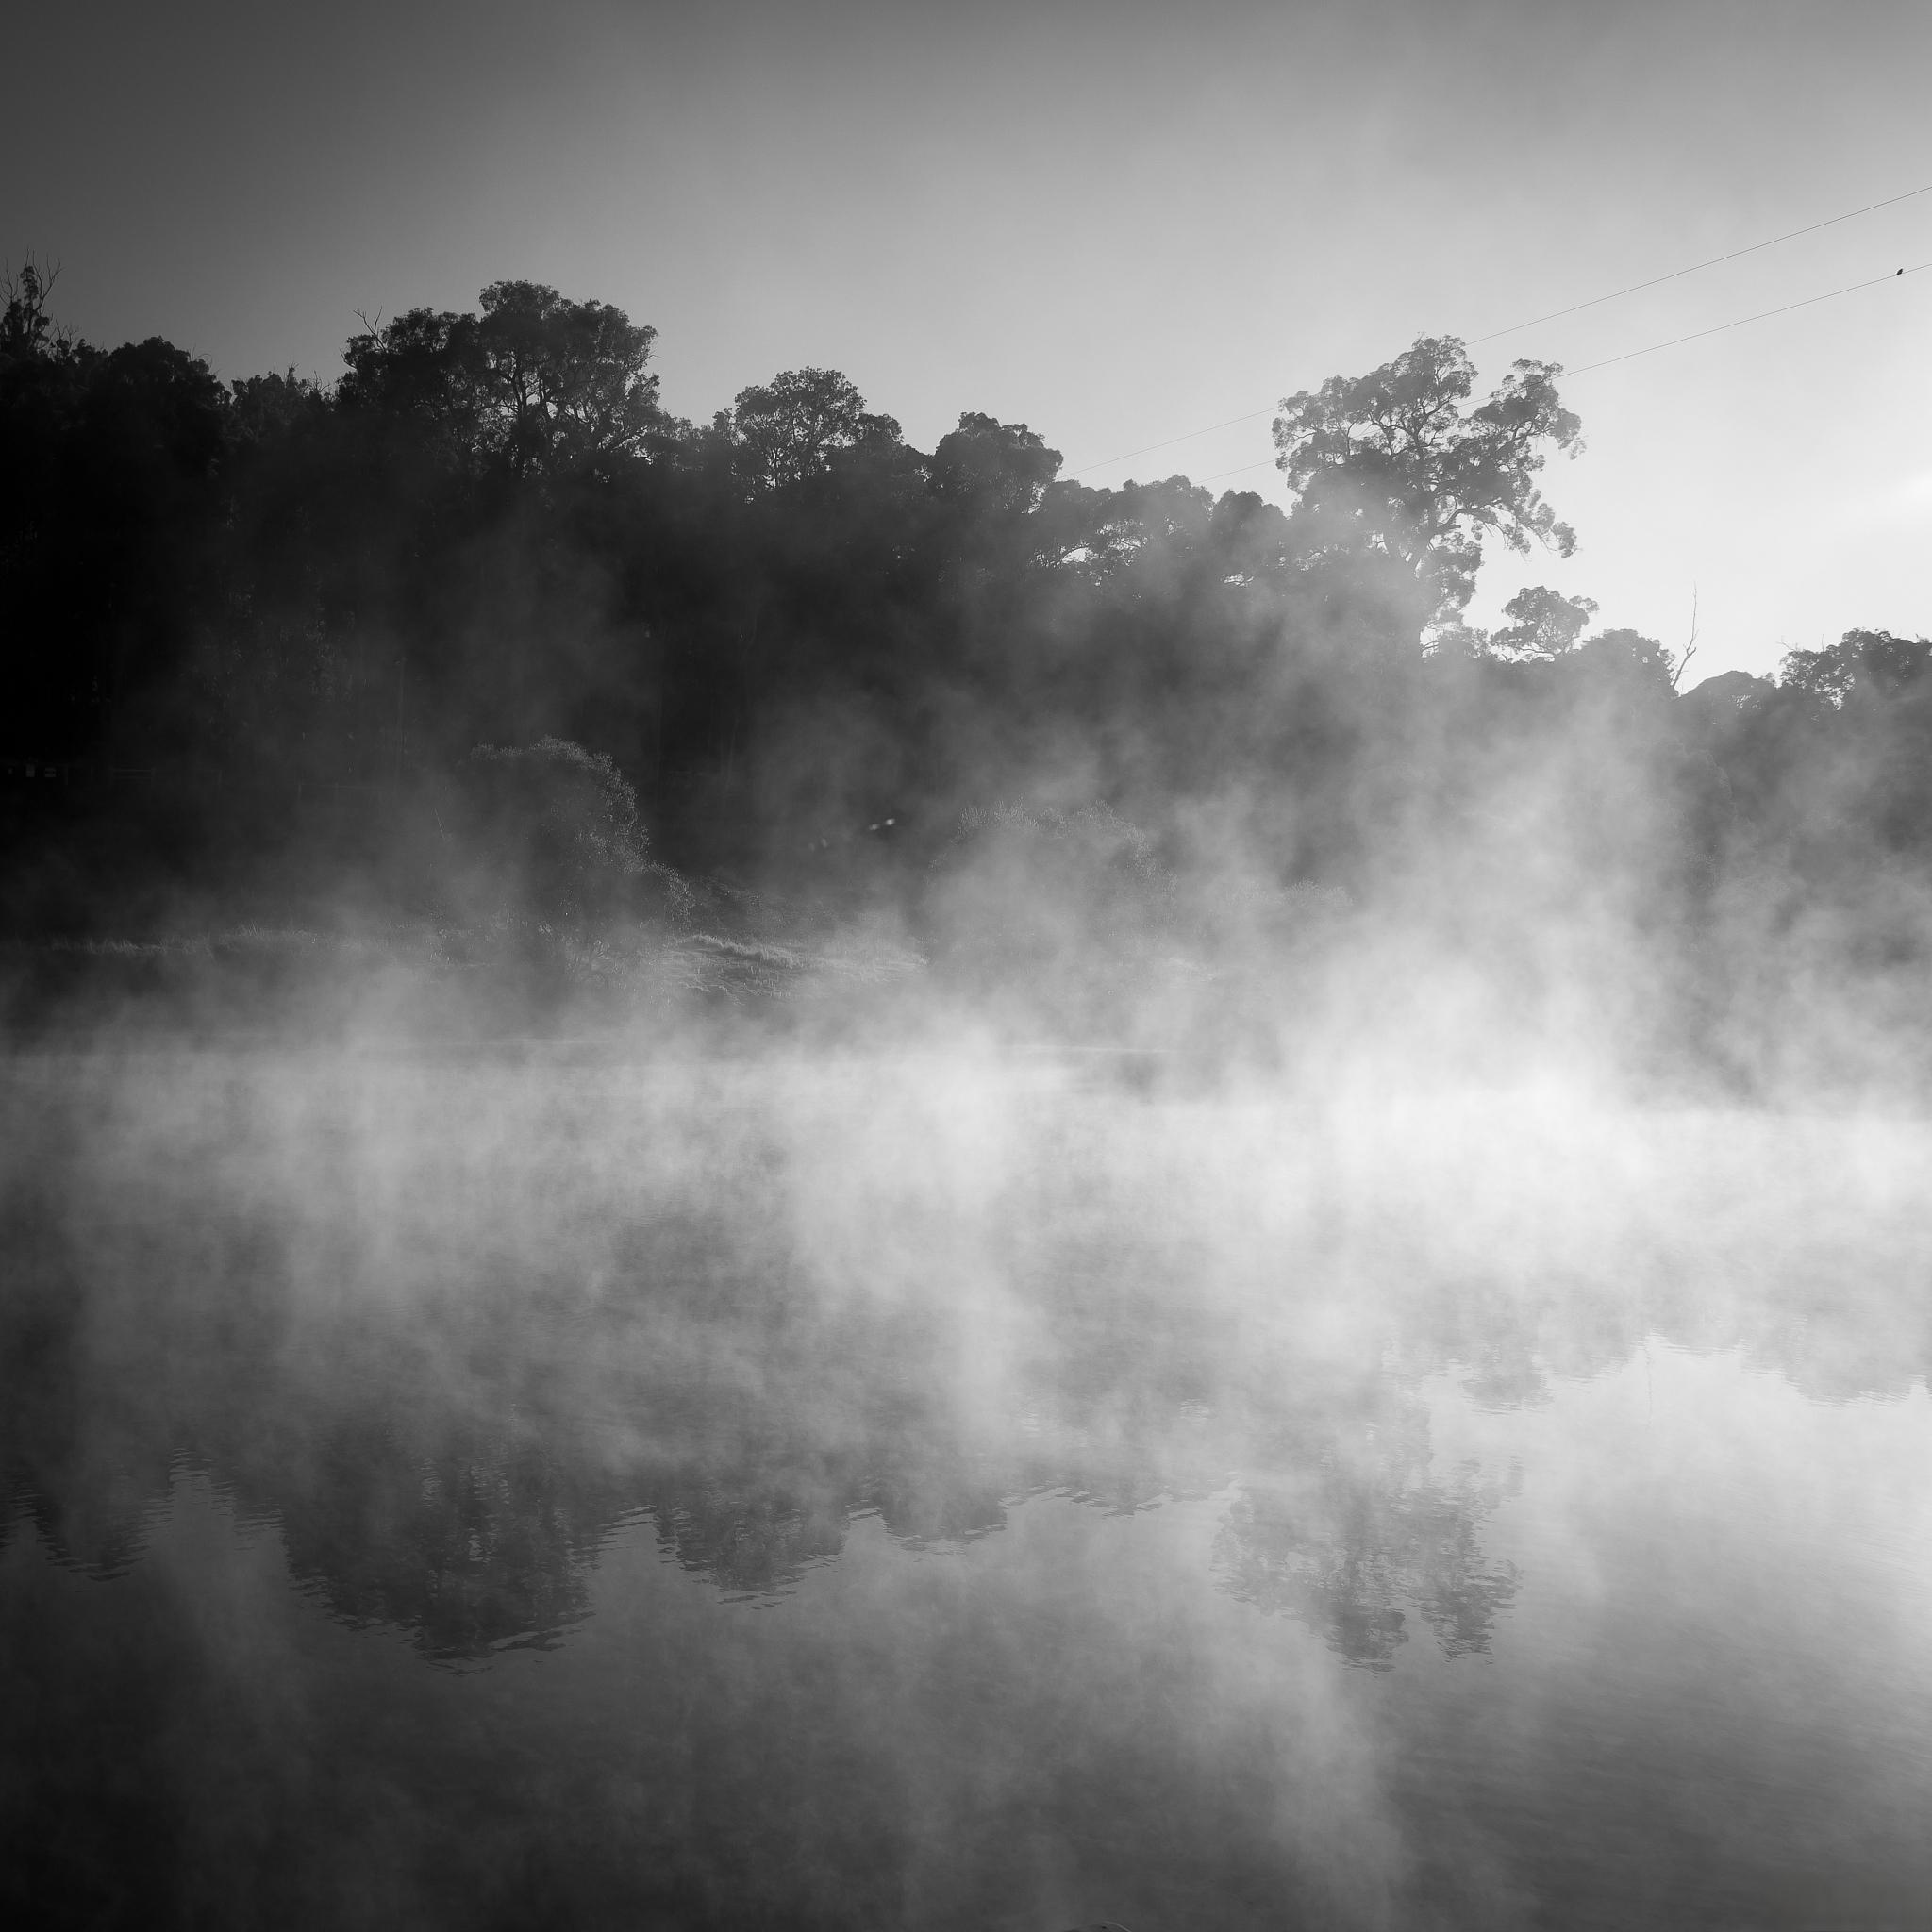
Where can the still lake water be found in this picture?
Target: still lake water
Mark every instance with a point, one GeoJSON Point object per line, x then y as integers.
{"type": "Point", "coordinates": [933, 1493]}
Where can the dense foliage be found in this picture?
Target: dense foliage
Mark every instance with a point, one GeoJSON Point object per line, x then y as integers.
{"type": "Point", "coordinates": [248, 624]}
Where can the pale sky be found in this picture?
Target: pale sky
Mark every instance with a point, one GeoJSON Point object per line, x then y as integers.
{"type": "Point", "coordinates": [1116, 222]}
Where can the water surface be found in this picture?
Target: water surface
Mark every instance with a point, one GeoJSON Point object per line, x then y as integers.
{"type": "Point", "coordinates": [933, 1492]}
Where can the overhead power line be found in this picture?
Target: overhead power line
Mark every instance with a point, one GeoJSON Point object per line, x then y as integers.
{"type": "Point", "coordinates": [1785, 308]}
{"type": "Point", "coordinates": [1265, 463]}
{"type": "Point", "coordinates": [1678, 274]}
{"type": "Point", "coordinates": [1575, 307]}
{"type": "Point", "coordinates": [1186, 436]}
{"type": "Point", "coordinates": [1695, 335]}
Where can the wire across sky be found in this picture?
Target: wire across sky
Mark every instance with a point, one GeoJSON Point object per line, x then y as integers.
{"type": "Point", "coordinates": [1651, 349]}
{"type": "Point", "coordinates": [1594, 302]}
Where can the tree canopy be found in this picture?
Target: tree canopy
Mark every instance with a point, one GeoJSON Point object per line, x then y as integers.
{"type": "Point", "coordinates": [789, 622]}
{"type": "Point", "coordinates": [1393, 462]}
{"type": "Point", "coordinates": [531, 382]}
{"type": "Point", "coordinates": [795, 427]}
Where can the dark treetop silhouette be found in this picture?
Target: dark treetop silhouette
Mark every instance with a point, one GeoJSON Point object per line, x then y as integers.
{"type": "Point", "coordinates": [256, 630]}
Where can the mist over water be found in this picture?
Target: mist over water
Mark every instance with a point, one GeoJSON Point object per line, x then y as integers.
{"type": "Point", "coordinates": [936, 1486]}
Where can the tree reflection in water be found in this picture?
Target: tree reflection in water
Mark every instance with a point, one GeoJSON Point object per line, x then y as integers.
{"type": "Point", "coordinates": [1343, 1545]}
{"type": "Point", "coordinates": [1180, 1407]}
{"type": "Point", "coordinates": [469, 1509]}
{"type": "Point", "coordinates": [448, 1374]}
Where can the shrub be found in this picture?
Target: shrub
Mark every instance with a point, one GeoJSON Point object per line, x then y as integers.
{"type": "Point", "coordinates": [562, 822]}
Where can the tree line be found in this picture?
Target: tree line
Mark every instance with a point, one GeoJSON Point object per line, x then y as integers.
{"type": "Point", "coordinates": [231, 606]}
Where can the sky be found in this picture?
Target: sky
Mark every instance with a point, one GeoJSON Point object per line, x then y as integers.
{"type": "Point", "coordinates": [1117, 223]}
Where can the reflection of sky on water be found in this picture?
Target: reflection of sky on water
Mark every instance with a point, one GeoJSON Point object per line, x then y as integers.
{"type": "Point", "coordinates": [979, 1507]}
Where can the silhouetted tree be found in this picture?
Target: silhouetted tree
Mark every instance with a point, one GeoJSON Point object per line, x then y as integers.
{"type": "Point", "coordinates": [533, 382]}
{"type": "Point", "coordinates": [1870, 661]}
{"type": "Point", "coordinates": [1625, 654]}
{"type": "Point", "coordinates": [1546, 624]}
{"type": "Point", "coordinates": [27, 330]}
{"type": "Point", "coordinates": [986, 466]}
{"type": "Point", "coordinates": [791, 428]}
{"type": "Point", "coordinates": [109, 502]}
{"type": "Point", "coordinates": [1391, 462]}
